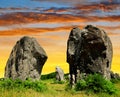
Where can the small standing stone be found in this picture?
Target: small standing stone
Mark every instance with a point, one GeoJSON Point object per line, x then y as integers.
{"type": "Point", "coordinates": [59, 74]}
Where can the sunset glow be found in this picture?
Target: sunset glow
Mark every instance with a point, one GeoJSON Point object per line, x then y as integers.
{"type": "Point", "coordinates": [50, 22]}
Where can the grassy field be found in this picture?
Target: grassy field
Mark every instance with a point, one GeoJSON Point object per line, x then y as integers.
{"type": "Point", "coordinates": [55, 89]}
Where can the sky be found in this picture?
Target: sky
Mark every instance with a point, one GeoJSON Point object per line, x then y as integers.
{"type": "Point", "coordinates": [50, 22]}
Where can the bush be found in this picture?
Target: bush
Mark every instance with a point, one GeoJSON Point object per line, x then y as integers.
{"type": "Point", "coordinates": [115, 80]}
{"type": "Point", "coordinates": [48, 76]}
{"type": "Point", "coordinates": [22, 85]}
{"type": "Point", "coordinates": [95, 83]}
{"type": "Point", "coordinates": [52, 76]}
{"type": "Point", "coordinates": [81, 85]}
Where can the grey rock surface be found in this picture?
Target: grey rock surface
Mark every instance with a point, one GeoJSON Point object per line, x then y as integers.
{"type": "Point", "coordinates": [59, 74]}
{"type": "Point", "coordinates": [89, 51]}
{"type": "Point", "coordinates": [26, 60]}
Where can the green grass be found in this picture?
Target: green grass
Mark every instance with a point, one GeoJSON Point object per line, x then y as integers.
{"type": "Point", "coordinates": [96, 83]}
{"type": "Point", "coordinates": [54, 89]}
{"type": "Point", "coordinates": [9, 84]}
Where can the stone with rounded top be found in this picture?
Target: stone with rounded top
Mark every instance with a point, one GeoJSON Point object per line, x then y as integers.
{"type": "Point", "coordinates": [59, 74]}
{"type": "Point", "coordinates": [26, 60]}
{"type": "Point", "coordinates": [89, 51]}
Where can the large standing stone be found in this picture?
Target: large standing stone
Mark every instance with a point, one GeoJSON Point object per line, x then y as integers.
{"type": "Point", "coordinates": [26, 60]}
{"type": "Point", "coordinates": [88, 51]}
{"type": "Point", "coordinates": [59, 74]}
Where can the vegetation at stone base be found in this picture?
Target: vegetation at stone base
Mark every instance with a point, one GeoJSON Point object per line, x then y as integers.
{"type": "Point", "coordinates": [96, 83]}
{"type": "Point", "coordinates": [54, 89]}
{"type": "Point", "coordinates": [48, 76]}
{"type": "Point", "coordinates": [115, 80]}
{"type": "Point", "coordinates": [22, 85]}
{"type": "Point", "coordinates": [52, 76]}
{"type": "Point", "coordinates": [58, 82]}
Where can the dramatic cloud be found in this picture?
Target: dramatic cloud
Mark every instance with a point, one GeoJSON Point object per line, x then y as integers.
{"type": "Point", "coordinates": [31, 17]}
{"type": "Point", "coordinates": [87, 10]}
{"type": "Point", "coordinates": [96, 7]}
{"type": "Point", "coordinates": [31, 31]}
{"type": "Point", "coordinates": [50, 22]}
{"type": "Point", "coordinates": [35, 31]}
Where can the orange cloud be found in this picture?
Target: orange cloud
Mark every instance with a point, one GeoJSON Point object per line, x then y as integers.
{"type": "Point", "coordinates": [51, 10]}
{"type": "Point", "coordinates": [110, 27]}
{"type": "Point", "coordinates": [111, 30]}
{"type": "Point", "coordinates": [85, 9]}
{"type": "Point", "coordinates": [59, 10]}
{"type": "Point", "coordinates": [102, 7]}
{"type": "Point", "coordinates": [35, 31]}
{"type": "Point", "coordinates": [31, 31]}
{"type": "Point", "coordinates": [31, 17]}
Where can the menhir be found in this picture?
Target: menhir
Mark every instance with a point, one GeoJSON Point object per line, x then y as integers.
{"type": "Point", "coordinates": [26, 60]}
{"type": "Point", "coordinates": [59, 74]}
{"type": "Point", "coordinates": [88, 51]}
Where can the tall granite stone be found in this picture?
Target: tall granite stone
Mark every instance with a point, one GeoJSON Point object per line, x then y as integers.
{"type": "Point", "coordinates": [88, 51]}
{"type": "Point", "coordinates": [26, 60]}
